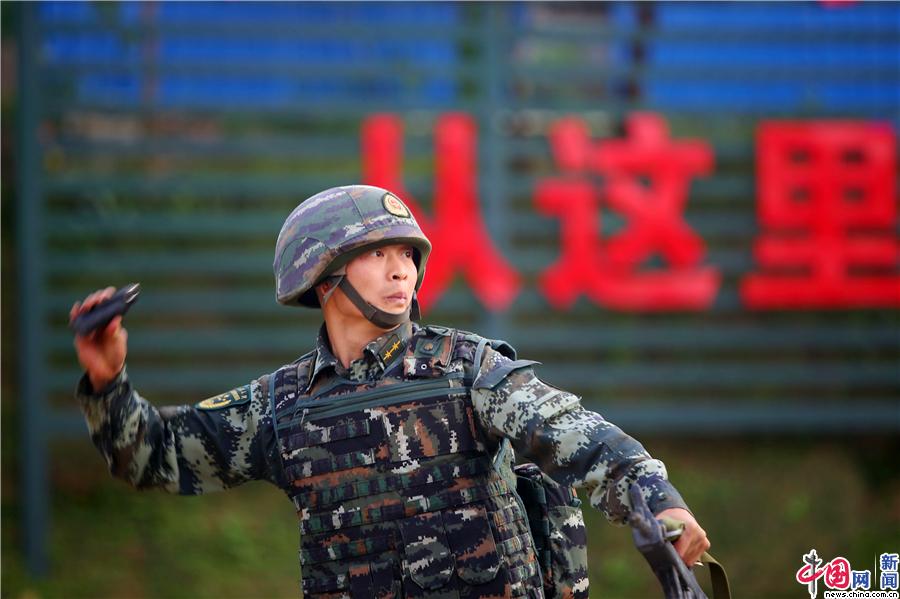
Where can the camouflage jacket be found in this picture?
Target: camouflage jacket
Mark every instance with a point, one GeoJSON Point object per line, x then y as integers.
{"type": "Point", "coordinates": [229, 439]}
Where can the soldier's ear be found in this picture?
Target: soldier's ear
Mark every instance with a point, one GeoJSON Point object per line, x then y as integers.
{"type": "Point", "coordinates": [326, 288]}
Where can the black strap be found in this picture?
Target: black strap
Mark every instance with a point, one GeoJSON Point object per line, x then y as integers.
{"type": "Point", "coordinates": [380, 318]}
{"type": "Point", "coordinates": [677, 581]}
{"type": "Point", "coordinates": [479, 353]}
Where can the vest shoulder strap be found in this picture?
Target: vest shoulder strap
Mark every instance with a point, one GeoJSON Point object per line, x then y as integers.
{"type": "Point", "coordinates": [283, 387]}
{"type": "Point", "coordinates": [471, 347]}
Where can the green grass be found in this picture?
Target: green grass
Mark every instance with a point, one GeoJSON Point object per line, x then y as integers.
{"type": "Point", "coordinates": [763, 503]}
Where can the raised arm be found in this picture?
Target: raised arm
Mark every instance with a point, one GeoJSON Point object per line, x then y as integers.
{"type": "Point", "coordinates": [218, 443]}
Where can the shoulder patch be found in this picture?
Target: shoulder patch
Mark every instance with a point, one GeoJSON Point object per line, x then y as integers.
{"type": "Point", "coordinates": [235, 397]}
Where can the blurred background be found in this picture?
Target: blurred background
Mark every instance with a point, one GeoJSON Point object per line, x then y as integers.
{"type": "Point", "coordinates": [687, 212]}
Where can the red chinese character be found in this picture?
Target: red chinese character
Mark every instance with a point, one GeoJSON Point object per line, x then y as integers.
{"type": "Point", "coordinates": [575, 203]}
{"type": "Point", "coordinates": [826, 197]}
{"type": "Point", "coordinates": [457, 231]}
{"type": "Point", "coordinates": [837, 574]}
{"type": "Point", "coordinates": [611, 273]}
{"type": "Point", "coordinates": [808, 573]}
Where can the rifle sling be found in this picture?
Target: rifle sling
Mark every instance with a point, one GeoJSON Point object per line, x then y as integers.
{"type": "Point", "coordinates": [717, 576]}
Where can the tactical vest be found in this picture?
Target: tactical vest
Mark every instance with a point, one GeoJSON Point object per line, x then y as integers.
{"type": "Point", "coordinates": [395, 487]}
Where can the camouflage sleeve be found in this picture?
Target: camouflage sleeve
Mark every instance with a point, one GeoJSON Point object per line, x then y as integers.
{"type": "Point", "coordinates": [573, 445]}
{"type": "Point", "coordinates": [219, 443]}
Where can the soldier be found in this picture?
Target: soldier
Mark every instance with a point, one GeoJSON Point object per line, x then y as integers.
{"type": "Point", "coordinates": [394, 441]}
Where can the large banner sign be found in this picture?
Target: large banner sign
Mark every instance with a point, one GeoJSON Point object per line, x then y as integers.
{"type": "Point", "coordinates": [825, 198]}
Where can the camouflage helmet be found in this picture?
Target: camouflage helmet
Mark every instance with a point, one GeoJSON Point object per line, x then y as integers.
{"type": "Point", "coordinates": [329, 229]}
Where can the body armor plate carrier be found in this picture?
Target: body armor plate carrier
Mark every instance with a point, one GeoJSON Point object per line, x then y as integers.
{"type": "Point", "coordinates": [397, 492]}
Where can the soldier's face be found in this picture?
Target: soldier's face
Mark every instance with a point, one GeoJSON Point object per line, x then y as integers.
{"type": "Point", "coordinates": [385, 277]}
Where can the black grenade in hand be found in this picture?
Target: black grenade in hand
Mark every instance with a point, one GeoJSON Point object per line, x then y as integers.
{"type": "Point", "coordinates": [100, 315]}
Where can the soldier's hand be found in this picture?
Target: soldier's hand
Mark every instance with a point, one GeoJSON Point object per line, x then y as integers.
{"type": "Point", "coordinates": [692, 542]}
{"type": "Point", "coordinates": [101, 352]}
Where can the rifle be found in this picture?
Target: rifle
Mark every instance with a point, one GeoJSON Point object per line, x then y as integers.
{"type": "Point", "coordinates": [653, 538]}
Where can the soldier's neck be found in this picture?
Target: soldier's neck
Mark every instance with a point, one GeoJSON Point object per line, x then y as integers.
{"type": "Point", "coordinates": [349, 335]}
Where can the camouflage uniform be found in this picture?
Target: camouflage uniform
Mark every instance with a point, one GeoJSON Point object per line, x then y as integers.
{"type": "Point", "coordinates": [400, 465]}
{"type": "Point", "coordinates": [230, 439]}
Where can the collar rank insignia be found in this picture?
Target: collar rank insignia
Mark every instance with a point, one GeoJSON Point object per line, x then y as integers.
{"type": "Point", "coordinates": [234, 397]}
{"type": "Point", "coordinates": [391, 349]}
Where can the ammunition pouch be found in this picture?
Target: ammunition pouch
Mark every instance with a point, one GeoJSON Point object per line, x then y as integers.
{"type": "Point", "coordinates": [557, 527]}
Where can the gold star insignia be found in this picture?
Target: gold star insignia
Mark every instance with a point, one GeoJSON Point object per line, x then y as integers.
{"type": "Point", "coordinates": [390, 352]}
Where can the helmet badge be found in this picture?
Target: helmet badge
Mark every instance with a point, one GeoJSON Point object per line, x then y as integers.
{"type": "Point", "coordinates": [393, 205]}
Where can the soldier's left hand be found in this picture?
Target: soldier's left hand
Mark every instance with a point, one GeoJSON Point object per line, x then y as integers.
{"type": "Point", "coordinates": [692, 542]}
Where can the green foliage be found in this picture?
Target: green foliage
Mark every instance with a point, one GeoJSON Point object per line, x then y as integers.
{"type": "Point", "coordinates": [109, 541]}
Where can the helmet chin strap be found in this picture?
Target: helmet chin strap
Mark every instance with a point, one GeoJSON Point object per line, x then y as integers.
{"type": "Point", "coordinates": [380, 318]}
